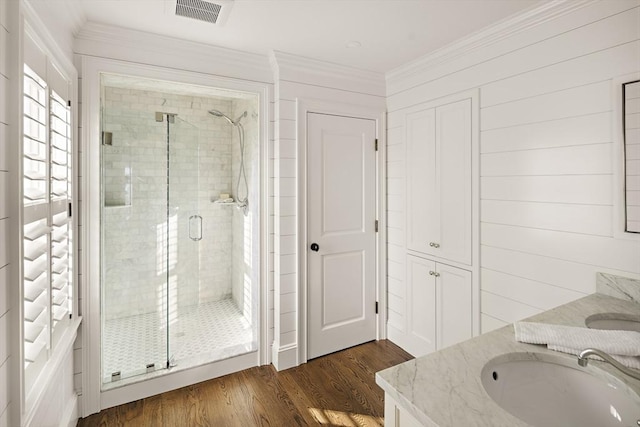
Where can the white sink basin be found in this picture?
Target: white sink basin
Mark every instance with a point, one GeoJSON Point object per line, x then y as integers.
{"type": "Point", "coordinates": [613, 321]}
{"type": "Point", "coordinates": [547, 390]}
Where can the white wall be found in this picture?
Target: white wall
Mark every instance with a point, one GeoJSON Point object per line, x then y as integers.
{"type": "Point", "coordinates": [5, 302]}
{"type": "Point", "coordinates": [546, 214]}
{"type": "Point", "coordinates": [299, 79]}
{"type": "Point", "coordinates": [59, 406]}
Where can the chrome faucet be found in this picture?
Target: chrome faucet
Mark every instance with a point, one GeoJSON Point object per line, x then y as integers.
{"type": "Point", "coordinates": [582, 361]}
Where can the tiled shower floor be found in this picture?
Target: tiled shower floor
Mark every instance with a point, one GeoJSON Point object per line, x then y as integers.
{"type": "Point", "coordinates": [199, 334]}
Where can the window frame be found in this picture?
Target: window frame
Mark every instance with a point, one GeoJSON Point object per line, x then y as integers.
{"type": "Point", "coordinates": [36, 46]}
{"type": "Point", "coordinates": [618, 157]}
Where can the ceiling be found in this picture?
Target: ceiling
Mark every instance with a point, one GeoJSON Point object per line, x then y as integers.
{"type": "Point", "coordinates": [390, 32]}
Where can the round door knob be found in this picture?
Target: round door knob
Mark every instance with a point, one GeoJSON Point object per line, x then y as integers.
{"type": "Point", "coordinates": [315, 247]}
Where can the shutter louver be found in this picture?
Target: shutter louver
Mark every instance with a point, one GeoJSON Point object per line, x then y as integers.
{"type": "Point", "coordinates": [61, 238]}
{"type": "Point", "coordinates": [60, 147]}
{"type": "Point", "coordinates": [35, 137]}
{"type": "Point", "coordinates": [36, 290]}
{"type": "Point", "coordinates": [36, 232]}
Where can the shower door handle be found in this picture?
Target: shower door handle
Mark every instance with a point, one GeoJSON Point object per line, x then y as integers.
{"type": "Point", "coordinates": [195, 227]}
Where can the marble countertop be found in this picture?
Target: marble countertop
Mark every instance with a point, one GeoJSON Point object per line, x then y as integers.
{"type": "Point", "coordinates": [444, 388]}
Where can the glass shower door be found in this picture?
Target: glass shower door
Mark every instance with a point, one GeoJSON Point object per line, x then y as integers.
{"type": "Point", "coordinates": [179, 264]}
{"type": "Point", "coordinates": [186, 232]}
{"type": "Point", "coordinates": [134, 241]}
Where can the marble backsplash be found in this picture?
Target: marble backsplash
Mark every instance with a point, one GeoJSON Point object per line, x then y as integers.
{"type": "Point", "coordinates": [618, 287]}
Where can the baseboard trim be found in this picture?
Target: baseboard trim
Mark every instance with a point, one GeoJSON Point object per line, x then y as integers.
{"type": "Point", "coordinates": [285, 357]}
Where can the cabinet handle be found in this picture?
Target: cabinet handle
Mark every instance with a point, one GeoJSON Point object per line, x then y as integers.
{"type": "Point", "coordinates": [433, 273]}
{"type": "Point", "coordinates": [434, 245]}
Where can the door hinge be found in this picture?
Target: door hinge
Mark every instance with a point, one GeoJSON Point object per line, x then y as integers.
{"type": "Point", "coordinates": [69, 103]}
{"type": "Point", "coordinates": [376, 307]}
{"type": "Point", "coordinates": [376, 144]}
{"type": "Point", "coordinates": [70, 210]}
{"type": "Point", "coordinates": [376, 225]}
{"type": "Point", "coordinates": [107, 138]}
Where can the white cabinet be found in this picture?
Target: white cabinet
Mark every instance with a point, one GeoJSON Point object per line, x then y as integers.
{"type": "Point", "coordinates": [434, 299]}
{"type": "Point", "coordinates": [396, 416]}
{"type": "Point", "coordinates": [439, 305]}
{"type": "Point", "coordinates": [439, 181]}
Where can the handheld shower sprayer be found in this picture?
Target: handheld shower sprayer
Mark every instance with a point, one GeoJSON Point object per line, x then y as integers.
{"type": "Point", "coordinates": [242, 202]}
{"type": "Point", "coordinates": [235, 122]}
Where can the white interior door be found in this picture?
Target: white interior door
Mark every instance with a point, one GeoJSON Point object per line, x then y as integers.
{"type": "Point", "coordinates": [341, 249]}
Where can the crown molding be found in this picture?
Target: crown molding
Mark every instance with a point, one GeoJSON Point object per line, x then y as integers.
{"type": "Point", "coordinates": [533, 17]}
{"type": "Point", "coordinates": [153, 49]}
{"type": "Point", "coordinates": [75, 15]}
{"type": "Point", "coordinates": [39, 31]}
{"type": "Point", "coordinates": [300, 69]}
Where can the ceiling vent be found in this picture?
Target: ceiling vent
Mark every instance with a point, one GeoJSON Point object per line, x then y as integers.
{"type": "Point", "coordinates": [212, 12]}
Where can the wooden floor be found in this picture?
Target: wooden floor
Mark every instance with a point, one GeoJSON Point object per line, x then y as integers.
{"type": "Point", "coordinates": [338, 390]}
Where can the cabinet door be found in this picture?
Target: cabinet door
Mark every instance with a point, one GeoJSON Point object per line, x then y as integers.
{"type": "Point", "coordinates": [397, 416]}
{"type": "Point", "coordinates": [423, 212]}
{"type": "Point", "coordinates": [421, 306]}
{"type": "Point", "coordinates": [453, 293]}
{"type": "Point", "coordinates": [453, 145]}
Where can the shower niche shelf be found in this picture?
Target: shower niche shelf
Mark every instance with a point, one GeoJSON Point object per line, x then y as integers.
{"type": "Point", "coordinates": [227, 202]}
{"type": "Point", "coordinates": [110, 205]}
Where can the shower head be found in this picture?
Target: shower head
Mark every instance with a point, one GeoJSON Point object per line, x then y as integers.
{"type": "Point", "coordinates": [227, 118]}
{"type": "Point", "coordinates": [220, 114]}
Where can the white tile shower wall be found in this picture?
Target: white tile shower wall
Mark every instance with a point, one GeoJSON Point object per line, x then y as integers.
{"type": "Point", "coordinates": [246, 226]}
{"type": "Point", "coordinates": [136, 177]}
{"type": "Point", "coordinates": [5, 302]}
{"type": "Point", "coordinates": [546, 159]}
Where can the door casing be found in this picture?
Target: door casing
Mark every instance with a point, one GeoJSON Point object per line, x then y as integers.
{"type": "Point", "coordinates": [305, 106]}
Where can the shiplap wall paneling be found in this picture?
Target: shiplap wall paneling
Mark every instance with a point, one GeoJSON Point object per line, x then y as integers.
{"type": "Point", "coordinates": [571, 189]}
{"type": "Point", "coordinates": [396, 245]}
{"type": "Point", "coordinates": [285, 211]}
{"type": "Point", "coordinates": [289, 88]}
{"type": "Point", "coordinates": [546, 172]}
{"type": "Point", "coordinates": [5, 303]}
{"type": "Point", "coordinates": [595, 129]}
{"type": "Point", "coordinates": [584, 250]}
{"type": "Point", "coordinates": [271, 220]}
{"type": "Point", "coordinates": [564, 103]}
{"type": "Point", "coordinates": [579, 154]}
{"type": "Point", "coordinates": [597, 27]}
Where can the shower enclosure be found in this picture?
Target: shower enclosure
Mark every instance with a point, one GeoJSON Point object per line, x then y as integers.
{"type": "Point", "coordinates": [179, 264]}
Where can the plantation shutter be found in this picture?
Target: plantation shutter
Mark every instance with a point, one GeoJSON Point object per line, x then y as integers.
{"type": "Point", "coordinates": [46, 194]}
{"type": "Point", "coordinates": [36, 233]}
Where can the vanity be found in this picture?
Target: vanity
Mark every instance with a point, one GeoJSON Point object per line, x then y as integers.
{"type": "Point", "coordinates": [449, 387]}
